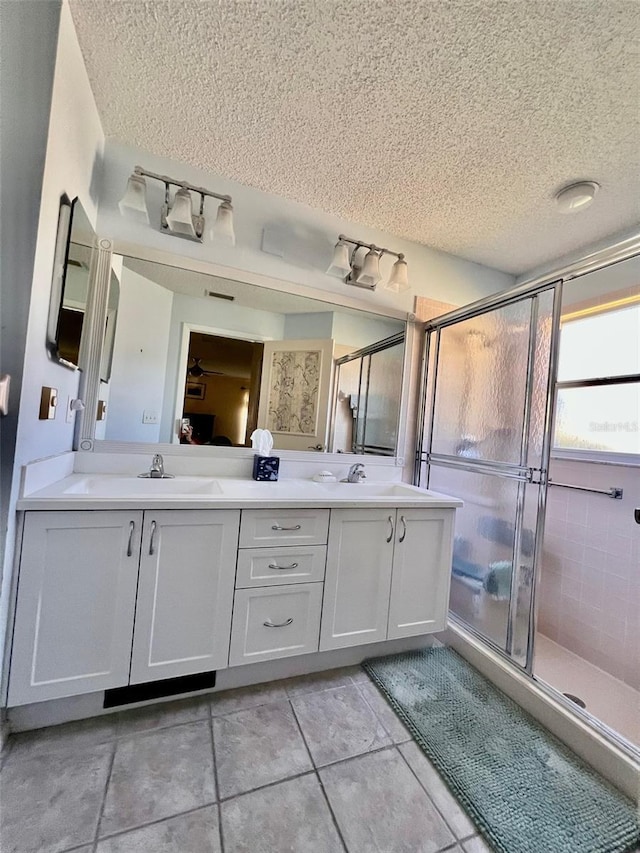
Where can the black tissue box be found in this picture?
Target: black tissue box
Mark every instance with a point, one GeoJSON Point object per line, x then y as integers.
{"type": "Point", "coordinates": [265, 467]}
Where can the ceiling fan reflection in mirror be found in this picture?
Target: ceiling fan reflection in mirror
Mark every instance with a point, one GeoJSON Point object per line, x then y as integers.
{"type": "Point", "coordinates": [197, 370]}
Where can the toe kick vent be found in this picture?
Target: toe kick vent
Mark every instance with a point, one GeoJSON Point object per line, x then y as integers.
{"type": "Point", "coordinates": [158, 689]}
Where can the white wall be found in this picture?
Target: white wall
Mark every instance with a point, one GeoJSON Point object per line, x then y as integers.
{"type": "Point", "coordinates": [360, 332]}
{"type": "Point", "coordinates": [139, 359]}
{"type": "Point", "coordinates": [26, 84]}
{"type": "Point", "coordinates": [74, 154]}
{"type": "Point", "coordinates": [309, 237]}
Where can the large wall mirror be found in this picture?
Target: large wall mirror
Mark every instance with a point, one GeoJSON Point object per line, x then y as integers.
{"type": "Point", "coordinates": [204, 360]}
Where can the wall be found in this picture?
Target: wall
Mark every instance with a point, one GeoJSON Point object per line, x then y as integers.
{"type": "Point", "coordinates": [139, 359]}
{"type": "Point", "coordinates": [26, 84]}
{"type": "Point", "coordinates": [308, 237]}
{"type": "Point", "coordinates": [74, 152]}
{"type": "Point", "coordinates": [589, 581]}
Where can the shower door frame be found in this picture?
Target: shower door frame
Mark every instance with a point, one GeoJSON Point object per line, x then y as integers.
{"type": "Point", "coordinates": [522, 473]}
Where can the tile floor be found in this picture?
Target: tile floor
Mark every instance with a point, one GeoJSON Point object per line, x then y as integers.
{"type": "Point", "coordinates": [314, 764]}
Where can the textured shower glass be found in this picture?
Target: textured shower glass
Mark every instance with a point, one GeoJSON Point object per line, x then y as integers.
{"type": "Point", "coordinates": [481, 385]}
{"type": "Point", "coordinates": [483, 548]}
{"type": "Point", "coordinates": [540, 377]}
{"type": "Point", "coordinates": [383, 400]}
{"type": "Point", "coordinates": [346, 406]}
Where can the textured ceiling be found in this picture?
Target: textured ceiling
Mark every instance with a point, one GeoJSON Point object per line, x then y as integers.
{"type": "Point", "coordinates": [448, 123]}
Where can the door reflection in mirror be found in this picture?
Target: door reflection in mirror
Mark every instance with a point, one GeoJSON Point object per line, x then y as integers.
{"type": "Point", "coordinates": [166, 313]}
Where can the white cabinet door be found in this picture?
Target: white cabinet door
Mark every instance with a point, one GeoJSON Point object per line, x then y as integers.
{"type": "Point", "coordinates": [275, 622]}
{"type": "Point", "coordinates": [185, 593]}
{"type": "Point", "coordinates": [75, 606]}
{"type": "Point", "coordinates": [421, 572]}
{"type": "Point", "coordinates": [358, 577]}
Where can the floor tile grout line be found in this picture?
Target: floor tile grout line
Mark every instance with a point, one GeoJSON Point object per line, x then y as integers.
{"type": "Point", "coordinates": [320, 783]}
{"type": "Point", "coordinates": [379, 718]}
{"type": "Point", "coordinates": [215, 781]}
{"type": "Point", "coordinates": [267, 785]}
{"type": "Point", "coordinates": [112, 759]}
{"type": "Point", "coordinates": [159, 820]}
{"type": "Point", "coordinates": [431, 800]}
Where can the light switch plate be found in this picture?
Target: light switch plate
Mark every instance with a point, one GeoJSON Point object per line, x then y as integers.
{"type": "Point", "coordinates": [102, 410]}
{"type": "Point", "coordinates": [149, 417]}
{"type": "Point", "coordinates": [4, 394]}
{"type": "Point", "coordinates": [48, 403]}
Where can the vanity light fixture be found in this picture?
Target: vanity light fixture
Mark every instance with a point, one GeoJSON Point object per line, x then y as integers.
{"type": "Point", "coordinates": [366, 272]}
{"type": "Point", "coordinates": [177, 216]}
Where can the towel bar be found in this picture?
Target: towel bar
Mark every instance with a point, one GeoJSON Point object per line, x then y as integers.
{"type": "Point", "coordinates": [614, 492]}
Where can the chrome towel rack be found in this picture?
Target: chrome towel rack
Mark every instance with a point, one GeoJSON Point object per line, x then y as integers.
{"type": "Point", "coordinates": [614, 492]}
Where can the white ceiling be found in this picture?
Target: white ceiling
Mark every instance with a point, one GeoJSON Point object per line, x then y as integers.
{"type": "Point", "coordinates": [448, 122]}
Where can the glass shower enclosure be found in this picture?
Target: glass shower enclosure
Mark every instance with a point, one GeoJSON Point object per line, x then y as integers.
{"type": "Point", "coordinates": [485, 439]}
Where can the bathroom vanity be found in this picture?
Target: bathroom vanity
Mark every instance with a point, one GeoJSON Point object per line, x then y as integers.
{"type": "Point", "coordinates": [125, 581]}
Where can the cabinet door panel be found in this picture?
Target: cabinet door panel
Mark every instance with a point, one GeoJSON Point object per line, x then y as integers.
{"type": "Point", "coordinates": [185, 593]}
{"type": "Point", "coordinates": [421, 572]}
{"type": "Point", "coordinates": [358, 577]}
{"type": "Point", "coordinates": [76, 600]}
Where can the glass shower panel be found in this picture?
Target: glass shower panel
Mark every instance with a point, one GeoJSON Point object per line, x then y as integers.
{"type": "Point", "coordinates": [346, 407]}
{"type": "Point", "coordinates": [540, 377]}
{"type": "Point", "coordinates": [481, 385]}
{"type": "Point", "coordinates": [383, 401]}
{"type": "Point", "coordinates": [483, 547]}
{"type": "Point", "coordinates": [521, 613]}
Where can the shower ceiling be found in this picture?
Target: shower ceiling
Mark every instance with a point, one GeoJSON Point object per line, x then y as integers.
{"type": "Point", "coordinates": [449, 123]}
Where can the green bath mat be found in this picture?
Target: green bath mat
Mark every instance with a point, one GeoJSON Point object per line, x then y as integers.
{"type": "Point", "coordinates": [525, 790]}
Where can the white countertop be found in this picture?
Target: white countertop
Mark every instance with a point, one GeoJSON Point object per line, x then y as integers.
{"type": "Point", "coordinates": [122, 491]}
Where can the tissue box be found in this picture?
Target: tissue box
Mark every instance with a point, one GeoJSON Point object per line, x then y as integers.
{"type": "Point", "coordinates": [265, 467]}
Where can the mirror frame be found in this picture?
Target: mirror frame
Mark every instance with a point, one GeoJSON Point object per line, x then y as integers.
{"type": "Point", "coordinates": [92, 353]}
{"type": "Point", "coordinates": [58, 278]}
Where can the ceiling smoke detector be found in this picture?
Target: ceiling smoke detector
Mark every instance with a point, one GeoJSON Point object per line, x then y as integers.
{"type": "Point", "coordinates": [576, 197]}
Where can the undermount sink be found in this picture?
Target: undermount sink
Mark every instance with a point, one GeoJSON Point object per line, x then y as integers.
{"type": "Point", "coordinates": [110, 485]}
{"type": "Point", "coordinates": [370, 490]}
{"type": "Point", "coordinates": [311, 490]}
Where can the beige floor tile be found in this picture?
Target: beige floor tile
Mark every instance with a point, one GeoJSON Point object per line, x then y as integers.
{"type": "Point", "coordinates": [196, 832]}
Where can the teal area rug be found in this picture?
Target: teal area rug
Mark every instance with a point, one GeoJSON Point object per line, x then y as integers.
{"type": "Point", "coordinates": [526, 791]}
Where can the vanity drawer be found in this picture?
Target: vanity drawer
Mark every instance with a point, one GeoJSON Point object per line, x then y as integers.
{"type": "Point", "coordinates": [275, 622]}
{"type": "Point", "coordinates": [268, 528]}
{"type": "Point", "coordinates": [276, 566]}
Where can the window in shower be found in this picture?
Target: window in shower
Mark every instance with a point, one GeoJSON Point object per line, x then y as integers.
{"type": "Point", "coordinates": [598, 388]}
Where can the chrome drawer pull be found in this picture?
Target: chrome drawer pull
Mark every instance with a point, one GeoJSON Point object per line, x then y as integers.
{"type": "Point", "coordinates": [283, 568]}
{"type": "Point", "coordinates": [404, 528]}
{"type": "Point", "coordinates": [132, 527]}
{"type": "Point", "coordinates": [153, 533]}
{"type": "Point", "coordinates": [390, 537]}
{"type": "Point", "coordinates": [271, 624]}
{"type": "Point", "coordinates": [277, 527]}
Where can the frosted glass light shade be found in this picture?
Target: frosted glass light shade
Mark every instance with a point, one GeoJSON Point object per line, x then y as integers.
{"type": "Point", "coordinates": [180, 216]}
{"type": "Point", "coordinates": [133, 203]}
{"type": "Point", "coordinates": [223, 227]}
{"type": "Point", "coordinates": [340, 266]}
{"type": "Point", "coordinates": [399, 278]}
{"type": "Point", "coordinates": [369, 275]}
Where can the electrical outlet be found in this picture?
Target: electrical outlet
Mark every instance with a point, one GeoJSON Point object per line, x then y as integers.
{"type": "Point", "coordinates": [48, 403]}
{"type": "Point", "coordinates": [149, 417]}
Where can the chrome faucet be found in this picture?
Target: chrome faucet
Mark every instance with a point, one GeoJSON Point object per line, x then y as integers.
{"type": "Point", "coordinates": [356, 474]}
{"type": "Point", "coordinates": [156, 471]}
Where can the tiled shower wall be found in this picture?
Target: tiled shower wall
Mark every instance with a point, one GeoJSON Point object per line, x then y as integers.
{"type": "Point", "coordinates": [589, 593]}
